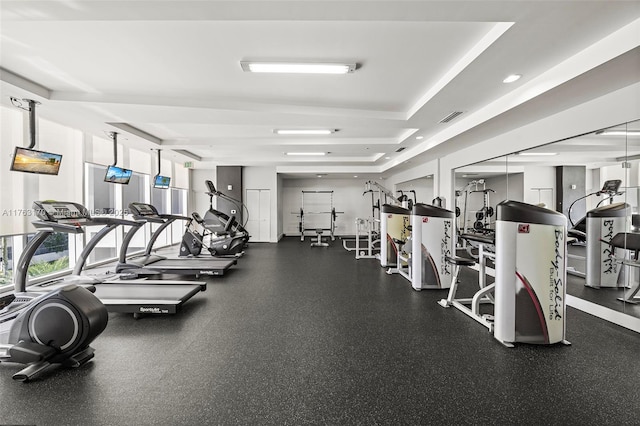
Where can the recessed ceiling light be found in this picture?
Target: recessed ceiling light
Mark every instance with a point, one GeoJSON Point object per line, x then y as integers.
{"type": "Point", "coordinates": [297, 67]}
{"type": "Point", "coordinates": [511, 78]}
{"type": "Point", "coordinates": [538, 153]}
{"type": "Point", "coordinates": [355, 176]}
{"type": "Point", "coordinates": [303, 131]}
{"type": "Point", "coordinates": [387, 158]}
{"type": "Point", "coordinates": [306, 153]}
{"type": "Point", "coordinates": [419, 137]}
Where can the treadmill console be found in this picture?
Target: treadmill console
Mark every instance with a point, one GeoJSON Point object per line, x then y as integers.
{"type": "Point", "coordinates": [142, 209]}
{"type": "Point", "coordinates": [60, 211]}
{"type": "Point", "coordinates": [611, 186]}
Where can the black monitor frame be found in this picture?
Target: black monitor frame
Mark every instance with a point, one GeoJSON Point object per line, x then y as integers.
{"type": "Point", "coordinates": [57, 161]}
{"type": "Point", "coordinates": [123, 180]}
{"type": "Point", "coordinates": [158, 182]}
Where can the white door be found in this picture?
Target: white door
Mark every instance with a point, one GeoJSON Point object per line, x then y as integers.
{"type": "Point", "coordinates": [258, 203]}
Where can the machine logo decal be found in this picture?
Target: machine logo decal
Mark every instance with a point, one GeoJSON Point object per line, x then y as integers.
{"type": "Point", "coordinates": [445, 248]}
{"type": "Point", "coordinates": [556, 299]}
{"type": "Point", "coordinates": [523, 228]}
{"type": "Point", "coordinates": [609, 264]}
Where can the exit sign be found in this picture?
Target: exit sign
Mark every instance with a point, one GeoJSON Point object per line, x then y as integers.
{"type": "Point", "coordinates": [188, 164]}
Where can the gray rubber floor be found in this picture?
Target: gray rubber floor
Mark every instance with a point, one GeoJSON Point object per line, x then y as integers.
{"type": "Point", "coordinates": [298, 335]}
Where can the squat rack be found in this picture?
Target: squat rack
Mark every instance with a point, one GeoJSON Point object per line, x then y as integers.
{"type": "Point", "coordinates": [317, 231]}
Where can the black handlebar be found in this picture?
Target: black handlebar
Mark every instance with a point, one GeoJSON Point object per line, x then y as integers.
{"type": "Point", "coordinates": [211, 187]}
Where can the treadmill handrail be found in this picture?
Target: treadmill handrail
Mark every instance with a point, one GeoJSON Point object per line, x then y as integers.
{"type": "Point", "coordinates": [174, 216]}
{"type": "Point", "coordinates": [109, 220]}
{"type": "Point", "coordinates": [59, 227]}
{"type": "Point", "coordinates": [151, 219]}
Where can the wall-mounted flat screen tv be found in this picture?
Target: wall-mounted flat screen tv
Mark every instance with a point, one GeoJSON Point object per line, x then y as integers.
{"type": "Point", "coordinates": [161, 182]}
{"type": "Point", "coordinates": [33, 161]}
{"type": "Point", "coordinates": [117, 175]}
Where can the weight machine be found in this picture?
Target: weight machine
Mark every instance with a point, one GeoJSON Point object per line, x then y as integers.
{"type": "Point", "coordinates": [318, 231]}
{"type": "Point", "coordinates": [367, 239]}
{"type": "Point", "coordinates": [482, 222]}
{"type": "Point", "coordinates": [368, 229]}
{"type": "Point", "coordinates": [382, 192]}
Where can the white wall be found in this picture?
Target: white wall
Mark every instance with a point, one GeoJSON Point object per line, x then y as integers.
{"type": "Point", "coordinates": [279, 208]}
{"type": "Point", "coordinates": [180, 177]}
{"type": "Point", "coordinates": [18, 190]}
{"type": "Point", "coordinates": [422, 186]}
{"type": "Point", "coordinates": [540, 185]}
{"type": "Point", "coordinates": [347, 197]}
{"type": "Point", "coordinates": [14, 193]}
{"type": "Point", "coordinates": [198, 200]}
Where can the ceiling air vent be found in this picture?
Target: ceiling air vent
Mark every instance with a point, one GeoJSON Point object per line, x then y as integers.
{"type": "Point", "coordinates": [400, 149]}
{"type": "Point", "coordinates": [450, 116]}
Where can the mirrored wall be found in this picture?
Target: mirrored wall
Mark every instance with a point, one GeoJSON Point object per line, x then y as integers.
{"type": "Point", "coordinates": [594, 179]}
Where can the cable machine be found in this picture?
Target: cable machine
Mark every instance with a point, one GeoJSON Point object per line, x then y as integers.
{"type": "Point", "coordinates": [482, 221]}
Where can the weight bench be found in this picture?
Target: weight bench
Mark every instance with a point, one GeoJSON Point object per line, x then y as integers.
{"type": "Point", "coordinates": [319, 242]}
{"type": "Point", "coordinates": [471, 306]}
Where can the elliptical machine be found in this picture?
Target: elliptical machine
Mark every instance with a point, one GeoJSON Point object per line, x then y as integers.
{"type": "Point", "coordinates": [54, 328]}
{"type": "Point", "coordinates": [217, 221]}
{"type": "Point", "coordinates": [221, 244]}
{"type": "Point", "coordinates": [221, 235]}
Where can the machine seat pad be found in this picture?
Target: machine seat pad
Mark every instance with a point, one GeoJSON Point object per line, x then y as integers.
{"type": "Point", "coordinates": [626, 240]}
{"type": "Point", "coordinates": [576, 234]}
{"type": "Point", "coordinates": [460, 261]}
{"type": "Point", "coordinates": [489, 239]}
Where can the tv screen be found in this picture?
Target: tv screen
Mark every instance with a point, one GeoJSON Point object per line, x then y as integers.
{"type": "Point", "coordinates": [161, 182]}
{"type": "Point", "coordinates": [32, 161]}
{"type": "Point", "coordinates": [117, 175]}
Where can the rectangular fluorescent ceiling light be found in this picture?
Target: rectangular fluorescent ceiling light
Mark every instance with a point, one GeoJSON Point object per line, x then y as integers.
{"type": "Point", "coordinates": [538, 153]}
{"type": "Point", "coordinates": [305, 153]}
{"type": "Point", "coordinates": [303, 131]}
{"type": "Point", "coordinates": [619, 133]}
{"type": "Point", "coordinates": [297, 67]}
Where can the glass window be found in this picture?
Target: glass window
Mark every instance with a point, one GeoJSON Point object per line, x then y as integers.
{"type": "Point", "coordinates": [178, 206]}
{"type": "Point", "coordinates": [6, 260]}
{"type": "Point", "coordinates": [102, 199]}
{"type": "Point", "coordinates": [178, 201]}
{"type": "Point", "coordinates": [52, 255]}
{"type": "Point", "coordinates": [161, 199]}
{"type": "Point", "coordinates": [136, 191]}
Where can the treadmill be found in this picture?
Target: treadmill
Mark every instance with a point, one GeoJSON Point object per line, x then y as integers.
{"type": "Point", "coordinates": [118, 292]}
{"type": "Point", "coordinates": [153, 264]}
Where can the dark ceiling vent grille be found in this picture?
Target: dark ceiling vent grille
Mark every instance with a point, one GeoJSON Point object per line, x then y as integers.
{"type": "Point", "coordinates": [400, 149]}
{"type": "Point", "coordinates": [450, 116]}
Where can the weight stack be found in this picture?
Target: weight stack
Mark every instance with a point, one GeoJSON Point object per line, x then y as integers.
{"type": "Point", "coordinates": [531, 275]}
{"type": "Point", "coordinates": [432, 235]}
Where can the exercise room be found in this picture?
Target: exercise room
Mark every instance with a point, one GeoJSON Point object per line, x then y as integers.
{"type": "Point", "coordinates": [338, 213]}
